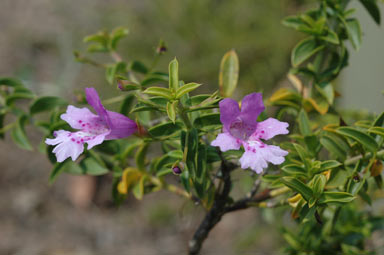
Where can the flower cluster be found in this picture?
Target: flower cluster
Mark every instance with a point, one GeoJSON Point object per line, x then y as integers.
{"type": "Point", "coordinates": [94, 129]}
{"type": "Point", "coordinates": [240, 127]}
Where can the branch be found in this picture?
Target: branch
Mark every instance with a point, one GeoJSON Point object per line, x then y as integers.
{"type": "Point", "coordinates": [216, 212]}
{"type": "Point", "coordinates": [247, 202]}
{"type": "Point", "coordinates": [220, 207]}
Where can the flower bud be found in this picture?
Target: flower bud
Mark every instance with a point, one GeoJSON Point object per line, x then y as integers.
{"type": "Point", "coordinates": [176, 170]}
{"type": "Point", "coordinates": [161, 48]}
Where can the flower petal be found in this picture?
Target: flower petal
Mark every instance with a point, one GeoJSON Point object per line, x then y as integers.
{"type": "Point", "coordinates": [226, 142]}
{"type": "Point", "coordinates": [254, 161]}
{"type": "Point", "coordinates": [229, 111]}
{"type": "Point", "coordinates": [71, 144]}
{"type": "Point", "coordinates": [121, 126]}
{"type": "Point", "coordinates": [96, 140]}
{"type": "Point", "coordinates": [257, 157]}
{"type": "Point", "coordinates": [251, 107]}
{"type": "Point", "coordinates": [243, 125]}
{"type": "Point", "coordinates": [270, 128]}
{"type": "Point", "coordinates": [78, 118]}
{"type": "Point", "coordinates": [93, 100]}
{"type": "Point", "coordinates": [66, 145]}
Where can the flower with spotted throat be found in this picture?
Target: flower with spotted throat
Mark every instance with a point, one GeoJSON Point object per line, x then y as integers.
{"type": "Point", "coordinates": [94, 129]}
{"type": "Point", "coordinates": [240, 127]}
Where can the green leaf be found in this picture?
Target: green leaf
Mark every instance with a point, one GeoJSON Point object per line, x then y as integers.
{"type": "Point", "coordinates": [207, 121]}
{"type": "Point", "coordinates": [191, 150]}
{"type": "Point", "coordinates": [171, 110]}
{"type": "Point", "coordinates": [100, 41]}
{"type": "Point", "coordinates": [203, 102]}
{"type": "Point", "coordinates": [57, 169]}
{"type": "Point", "coordinates": [367, 141]}
{"type": "Point", "coordinates": [48, 103]}
{"type": "Point", "coordinates": [138, 189]}
{"type": "Point", "coordinates": [18, 134]}
{"type": "Point", "coordinates": [293, 22]}
{"type": "Point", "coordinates": [139, 67]}
{"type": "Point", "coordinates": [17, 96]}
{"type": "Point", "coordinates": [376, 131]}
{"type": "Point", "coordinates": [355, 187]}
{"type": "Point", "coordinates": [294, 170]}
{"type": "Point", "coordinates": [126, 105]}
{"type": "Point", "coordinates": [296, 185]}
{"type": "Point", "coordinates": [156, 77]}
{"type": "Point", "coordinates": [373, 9]}
{"type": "Point", "coordinates": [177, 154]}
{"type": "Point", "coordinates": [174, 75]}
{"type": "Point", "coordinates": [318, 185]}
{"type": "Point", "coordinates": [338, 178]}
{"type": "Point", "coordinates": [304, 50]}
{"type": "Point", "coordinates": [331, 37]}
{"type": "Point", "coordinates": [186, 89]}
{"type": "Point", "coordinates": [99, 37]}
{"type": "Point", "coordinates": [304, 124]}
{"type": "Point", "coordinates": [333, 145]}
{"type": "Point", "coordinates": [201, 169]}
{"type": "Point", "coordinates": [229, 73]}
{"type": "Point", "coordinates": [335, 197]}
{"type": "Point", "coordinates": [313, 144]}
{"type": "Point", "coordinates": [150, 104]}
{"type": "Point", "coordinates": [140, 156]}
{"type": "Point", "coordinates": [10, 82]}
{"type": "Point", "coordinates": [303, 154]}
{"type": "Point", "coordinates": [212, 155]}
{"type": "Point", "coordinates": [113, 70]}
{"type": "Point", "coordinates": [379, 121]}
{"type": "Point", "coordinates": [328, 164]}
{"type": "Point", "coordinates": [184, 177]}
{"type": "Point", "coordinates": [116, 35]}
{"type": "Point", "coordinates": [165, 129]}
{"type": "Point", "coordinates": [91, 166]}
{"type": "Point", "coordinates": [159, 91]}
{"type": "Point", "coordinates": [97, 48]}
{"type": "Point", "coordinates": [326, 90]}
{"type": "Point", "coordinates": [292, 240]}
{"type": "Point", "coordinates": [354, 32]}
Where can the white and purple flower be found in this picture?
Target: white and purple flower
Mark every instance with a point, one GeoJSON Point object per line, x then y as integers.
{"type": "Point", "coordinates": [240, 127]}
{"type": "Point", "coordinates": [94, 129]}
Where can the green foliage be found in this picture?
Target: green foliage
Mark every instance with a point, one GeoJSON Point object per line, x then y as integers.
{"type": "Point", "coordinates": [229, 73]}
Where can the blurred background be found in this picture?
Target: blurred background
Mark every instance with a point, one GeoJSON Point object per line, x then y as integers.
{"type": "Point", "coordinates": [76, 216]}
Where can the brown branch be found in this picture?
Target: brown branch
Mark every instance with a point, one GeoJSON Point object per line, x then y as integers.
{"type": "Point", "coordinates": [247, 202]}
{"type": "Point", "coordinates": [216, 212]}
{"type": "Point", "coordinates": [220, 207]}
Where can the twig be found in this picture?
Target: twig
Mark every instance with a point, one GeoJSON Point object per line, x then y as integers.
{"type": "Point", "coordinates": [216, 212]}
{"type": "Point", "coordinates": [255, 187]}
{"type": "Point", "coordinates": [247, 202]}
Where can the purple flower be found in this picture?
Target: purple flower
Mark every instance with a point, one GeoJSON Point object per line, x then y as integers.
{"type": "Point", "coordinates": [94, 129]}
{"type": "Point", "coordinates": [240, 127]}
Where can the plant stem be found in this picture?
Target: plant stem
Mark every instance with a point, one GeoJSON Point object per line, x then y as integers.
{"type": "Point", "coordinates": [113, 100]}
{"type": "Point", "coordinates": [116, 57]}
{"type": "Point", "coordinates": [214, 215]}
{"type": "Point", "coordinates": [184, 117]}
{"type": "Point", "coordinates": [354, 160]}
{"type": "Point", "coordinates": [177, 190]}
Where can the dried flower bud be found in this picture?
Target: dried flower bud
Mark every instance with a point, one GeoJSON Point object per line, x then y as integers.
{"type": "Point", "coordinates": [161, 48]}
